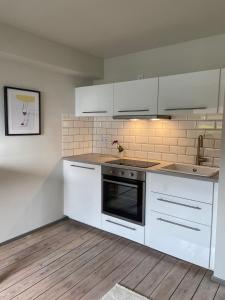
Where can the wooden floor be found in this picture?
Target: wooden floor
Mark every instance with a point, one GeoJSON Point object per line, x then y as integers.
{"type": "Point", "coordinates": [69, 260]}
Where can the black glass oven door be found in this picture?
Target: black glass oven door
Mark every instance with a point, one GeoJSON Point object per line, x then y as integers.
{"type": "Point", "coordinates": [123, 198]}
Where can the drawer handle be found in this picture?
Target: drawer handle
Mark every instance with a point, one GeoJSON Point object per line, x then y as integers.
{"type": "Point", "coordinates": [89, 168]}
{"type": "Point", "coordinates": [178, 224]}
{"type": "Point", "coordinates": [184, 108]}
{"type": "Point", "coordinates": [133, 110]}
{"type": "Point", "coordinates": [95, 112]}
{"type": "Point", "coordinates": [132, 228]}
{"type": "Point", "coordinates": [177, 203]}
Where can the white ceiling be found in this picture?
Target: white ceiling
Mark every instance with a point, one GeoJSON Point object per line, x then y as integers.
{"type": "Point", "coordinates": [109, 28]}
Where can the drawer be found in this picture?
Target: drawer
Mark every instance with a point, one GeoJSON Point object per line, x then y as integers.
{"type": "Point", "coordinates": [123, 228]}
{"type": "Point", "coordinates": [182, 208]}
{"type": "Point", "coordinates": [187, 188]}
{"type": "Point", "coordinates": [186, 240]}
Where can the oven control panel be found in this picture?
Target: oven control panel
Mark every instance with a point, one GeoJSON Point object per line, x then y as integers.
{"type": "Point", "coordinates": [124, 173]}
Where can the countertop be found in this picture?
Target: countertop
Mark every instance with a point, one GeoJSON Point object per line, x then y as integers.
{"type": "Point", "coordinates": [102, 159]}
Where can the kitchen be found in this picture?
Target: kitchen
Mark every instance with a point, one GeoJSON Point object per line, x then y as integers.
{"type": "Point", "coordinates": [119, 193]}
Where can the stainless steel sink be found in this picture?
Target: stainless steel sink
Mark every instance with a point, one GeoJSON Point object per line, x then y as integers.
{"type": "Point", "coordinates": [192, 169]}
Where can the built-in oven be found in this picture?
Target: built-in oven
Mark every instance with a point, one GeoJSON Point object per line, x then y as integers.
{"type": "Point", "coordinates": [123, 194]}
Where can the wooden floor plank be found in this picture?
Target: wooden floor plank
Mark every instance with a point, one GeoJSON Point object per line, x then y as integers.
{"type": "Point", "coordinates": [67, 270]}
{"type": "Point", "coordinates": [189, 284]}
{"type": "Point", "coordinates": [26, 258]}
{"type": "Point", "coordinates": [207, 289]}
{"type": "Point", "coordinates": [220, 295]}
{"type": "Point", "coordinates": [82, 273]}
{"type": "Point", "coordinates": [100, 273]}
{"type": "Point", "coordinates": [32, 238]}
{"type": "Point", "coordinates": [51, 268]}
{"type": "Point", "coordinates": [139, 273]}
{"type": "Point", "coordinates": [116, 276]}
{"type": "Point", "coordinates": [23, 254]}
{"type": "Point", "coordinates": [47, 258]}
{"type": "Point", "coordinates": [70, 260]}
{"type": "Point", "coordinates": [171, 281]}
{"type": "Point", "coordinates": [155, 276]}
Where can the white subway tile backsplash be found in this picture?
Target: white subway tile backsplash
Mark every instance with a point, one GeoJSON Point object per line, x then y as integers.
{"type": "Point", "coordinates": [170, 140]}
{"type": "Point", "coordinates": [186, 142]}
{"type": "Point", "coordinates": [141, 139]}
{"type": "Point", "coordinates": [162, 148]}
{"type": "Point", "coordinates": [187, 124]}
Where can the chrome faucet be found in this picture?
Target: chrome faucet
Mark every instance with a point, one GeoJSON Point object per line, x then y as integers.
{"type": "Point", "coordinates": [199, 158]}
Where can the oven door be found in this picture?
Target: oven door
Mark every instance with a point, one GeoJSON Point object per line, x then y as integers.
{"type": "Point", "coordinates": [124, 198]}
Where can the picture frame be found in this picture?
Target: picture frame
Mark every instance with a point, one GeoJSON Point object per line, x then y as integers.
{"type": "Point", "coordinates": [22, 111]}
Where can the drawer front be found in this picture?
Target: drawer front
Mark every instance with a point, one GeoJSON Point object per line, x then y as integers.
{"type": "Point", "coordinates": [179, 238]}
{"type": "Point", "coordinates": [187, 188]}
{"type": "Point", "coordinates": [182, 208]}
{"type": "Point", "coordinates": [123, 228]}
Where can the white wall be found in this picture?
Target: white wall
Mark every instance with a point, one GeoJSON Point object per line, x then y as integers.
{"type": "Point", "coordinates": [23, 46]}
{"type": "Point", "coordinates": [219, 271]}
{"type": "Point", "coordinates": [30, 168]}
{"type": "Point", "coordinates": [200, 54]}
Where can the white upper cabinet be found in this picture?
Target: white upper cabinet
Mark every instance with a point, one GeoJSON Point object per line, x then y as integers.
{"type": "Point", "coordinates": [137, 97]}
{"type": "Point", "coordinates": [222, 91]}
{"type": "Point", "coordinates": [96, 100]}
{"type": "Point", "coordinates": [189, 92]}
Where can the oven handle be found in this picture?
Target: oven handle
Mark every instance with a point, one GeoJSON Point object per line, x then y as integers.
{"type": "Point", "coordinates": [120, 183]}
{"type": "Point", "coordinates": [128, 227]}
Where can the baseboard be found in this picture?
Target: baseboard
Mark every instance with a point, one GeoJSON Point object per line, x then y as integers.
{"type": "Point", "coordinates": [218, 280]}
{"type": "Point", "coordinates": [31, 231]}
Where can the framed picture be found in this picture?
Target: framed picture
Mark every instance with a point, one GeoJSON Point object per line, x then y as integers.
{"type": "Point", "coordinates": [22, 111]}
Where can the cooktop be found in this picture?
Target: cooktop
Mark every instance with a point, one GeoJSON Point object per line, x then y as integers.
{"type": "Point", "coordinates": [133, 163]}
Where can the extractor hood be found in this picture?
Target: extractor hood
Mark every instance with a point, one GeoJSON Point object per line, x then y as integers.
{"type": "Point", "coordinates": [146, 117]}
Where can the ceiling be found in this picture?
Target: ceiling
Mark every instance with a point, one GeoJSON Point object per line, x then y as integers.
{"type": "Point", "coordinates": [107, 28]}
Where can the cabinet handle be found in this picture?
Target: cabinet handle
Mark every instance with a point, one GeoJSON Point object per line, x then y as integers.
{"type": "Point", "coordinates": [131, 228]}
{"type": "Point", "coordinates": [89, 168]}
{"type": "Point", "coordinates": [133, 110]}
{"type": "Point", "coordinates": [185, 108]}
{"type": "Point", "coordinates": [95, 112]}
{"type": "Point", "coordinates": [177, 203]}
{"type": "Point", "coordinates": [178, 224]}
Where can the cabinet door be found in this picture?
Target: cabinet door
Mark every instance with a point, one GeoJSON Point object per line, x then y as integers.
{"type": "Point", "coordinates": [180, 238]}
{"type": "Point", "coordinates": [138, 97]}
{"type": "Point", "coordinates": [196, 92]}
{"type": "Point", "coordinates": [222, 91]}
{"type": "Point", "coordinates": [96, 100]}
{"type": "Point", "coordinates": [82, 192]}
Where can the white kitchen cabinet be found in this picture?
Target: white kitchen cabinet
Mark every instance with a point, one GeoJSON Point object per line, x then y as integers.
{"type": "Point", "coordinates": [123, 228]}
{"type": "Point", "coordinates": [179, 238]}
{"type": "Point", "coordinates": [198, 190]}
{"type": "Point", "coordinates": [197, 92]}
{"type": "Point", "coordinates": [222, 91]}
{"type": "Point", "coordinates": [137, 97]}
{"type": "Point", "coordinates": [96, 100]}
{"type": "Point", "coordinates": [179, 217]}
{"type": "Point", "coordinates": [82, 192]}
{"type": "Point", "coordinates": [193, 211]}
{"type": "Point", "coordinates": [214, 224]}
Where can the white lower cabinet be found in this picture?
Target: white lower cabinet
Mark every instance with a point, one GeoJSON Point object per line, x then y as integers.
{"type": "Point", "coordinates": [123, 228]}
{"type": "Point", "coordinates": [179, 217]}
{"type": "Point", "coordinates": [82, 192]}
{"type": "Point", "coordinates": [183, 208]}
{"type": "Point", "coordinates": [180, 238]}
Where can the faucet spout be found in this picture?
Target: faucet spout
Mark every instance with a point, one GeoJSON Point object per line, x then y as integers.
{"type": "Point", "coordinates": [200, 158]}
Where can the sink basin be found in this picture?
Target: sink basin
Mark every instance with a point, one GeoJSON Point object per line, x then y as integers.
{"type": "Point", "coordinates": [192, 169]}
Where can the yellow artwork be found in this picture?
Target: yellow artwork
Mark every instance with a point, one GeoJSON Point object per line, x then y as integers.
{"type": "Point", "coordinates": [25, 98]}
{"type": "Point", "coordinates": [22, 111]}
